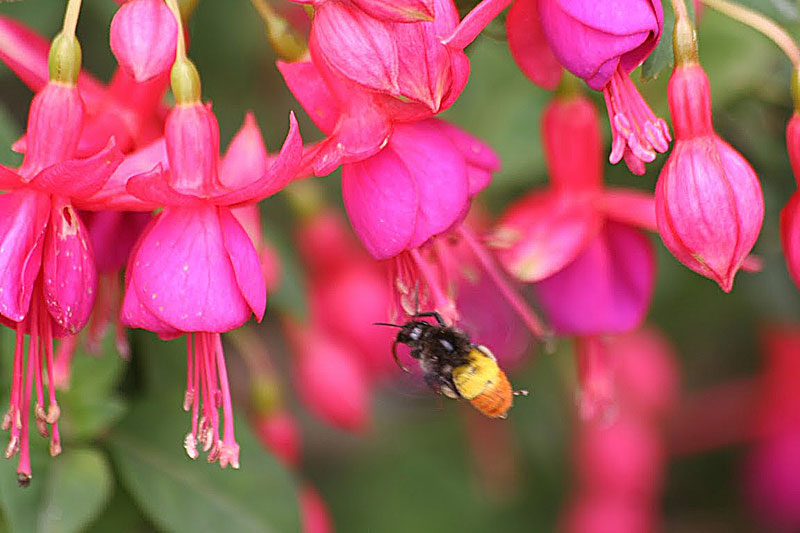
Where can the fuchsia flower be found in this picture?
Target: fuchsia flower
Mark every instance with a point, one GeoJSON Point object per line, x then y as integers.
{"type": "Point", "coordinates": [49, 279]}
{"type": "Point", "coordinates": [790, 214]}
{"type": "Point", "coordinates": [143, 38]}
{"type": "Point", "coordinates": [709, 205]}
{"type": "Point", "coordinates": [601, 43]}
{"type": "Point", "coordinates": [195, 270]}
{"type": "Point", "coordinates": [279, 432]}
{"type": "Point", "coordinates": [384, 10]}
{"type": "Point", "coordinates": [594, 270]}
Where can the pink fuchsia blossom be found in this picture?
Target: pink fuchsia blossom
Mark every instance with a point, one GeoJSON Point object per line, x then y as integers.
{"type": "Point", "coordinates": [790, 214]}
{"type": "Point", "coordinates": [332, 383]}
{"type": "Point", "coordinates": [709, 205]}
{"type": "Point", "coordinates": [594, 270]}
{"type": "Point", "coordinates": [385, 10]}
{"type": "Point", "coordinates": [143, 37]}
{"type": "Point", "coordinates": [342, 277]}
{"type": "Point", "coordinates": [601, 43]}
{"type": "Point", "coordinates": [195, 270]}
{"type": "Point", "coordinates": [316, 516]}
{"type": "Point", "coordinates": [359, 82]}
{"type": "Point", "coordinates": [279, 432]}
{"type": "Point", "coordinates": [49, 279]}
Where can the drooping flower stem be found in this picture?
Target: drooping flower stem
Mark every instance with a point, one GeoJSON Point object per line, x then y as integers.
{"type": "Point", "coordinates": [71, 17]}
{"type": "Point", "coordinates": [679, 7]}
{"type": "Point", "coordinates": [180, 50]}
{"type": "Point", "coordinates": [760, 23]}
{"type": "Point", "coordinates": [286, 42]}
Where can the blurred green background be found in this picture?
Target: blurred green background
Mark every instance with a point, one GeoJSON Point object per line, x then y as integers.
{"type": "Point", "coordinates": [124, 468]}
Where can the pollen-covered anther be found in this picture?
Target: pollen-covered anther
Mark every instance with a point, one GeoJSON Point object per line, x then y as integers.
{"type": "Point", "coordinates": [190, 445]}
{"type": "Point", "coordinates": [188, 400]}
{"type": "Point", "coordinates": [13, 447]}
{"type": "Point", "coordinates": [23, 480]}
{"type": "Point", "coordinates": [228, 455]}
{"type": "Point", "coordinates": [53, 413]}
{"type": "Point", "coordinates": [55, 447]}
{"type": "Point", "coordinates": [7, 421]}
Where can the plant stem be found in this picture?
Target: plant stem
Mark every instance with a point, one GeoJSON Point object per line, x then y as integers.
{"type": "Point", "coordinates": [180, 50]}
{"type": "Point", "coordinates": [679, 7]}
{"type": "Point", "coordinates": [760, 23]}
{"type": "Point", "coordinates": [71, 17]}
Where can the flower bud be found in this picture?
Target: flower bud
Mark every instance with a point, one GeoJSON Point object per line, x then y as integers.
{"type": "Point", "coordinates": [143, 38]}
{"type": "Point", "coordinates": [65, 59]}
{"type": "Point", "coordinates": [316, 517]}
{"type": "Point", "coordinates": [709, 206]}
{"type": "Point", "coordinates": [280, 434]}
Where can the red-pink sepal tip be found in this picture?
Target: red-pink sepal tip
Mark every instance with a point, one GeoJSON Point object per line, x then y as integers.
{"type": "Point", "coordinates": [143, 36]}
{"type": "Point", "coordinates": [529, 47]}
{"type": "Point", "coordinates": [315, 513]}
{"type": "Point", "coordinates": [709, 205]}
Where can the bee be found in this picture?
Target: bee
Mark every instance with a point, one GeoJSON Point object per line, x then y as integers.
{"type": "Point", "coordinates": [454, 366]}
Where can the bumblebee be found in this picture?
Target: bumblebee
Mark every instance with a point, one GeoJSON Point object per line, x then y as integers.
{"type": "Point", "coordinates": [454, 366]}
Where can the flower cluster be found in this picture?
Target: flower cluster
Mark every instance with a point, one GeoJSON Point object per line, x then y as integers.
{"type": "Point", "coordinates": [114, 179]}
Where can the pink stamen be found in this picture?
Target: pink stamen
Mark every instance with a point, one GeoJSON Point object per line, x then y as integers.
{"type": "Point", "coordinates": [229, 449]}
{"type": "Point", "coordinates": [514, 299]}
{"type": "Point", "coordinates": [63, 363]}
{"type": "Point", "coordinates": [637, 134]}
{"type": "Point", "coordinates": [24, 471]}
{"type": "Point", "coordinates": [441, 303]}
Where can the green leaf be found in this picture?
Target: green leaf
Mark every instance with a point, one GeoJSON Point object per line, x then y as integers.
{"type": "Point", "coordinates": [9, 132]}
{"type": "Point", "coordinates": [77, 489]}
{"type": "Point", "coordinates": [66, 492]}
{"type": "Point", "coordinates": [182, 495]}
{"type": "Point", "coordinates": [661, 58]}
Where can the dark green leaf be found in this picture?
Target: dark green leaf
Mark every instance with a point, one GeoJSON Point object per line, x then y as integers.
{"type": "Point", "coordinates": [9, 132]}
{"type": "Point", "coordinates": [179, 494]}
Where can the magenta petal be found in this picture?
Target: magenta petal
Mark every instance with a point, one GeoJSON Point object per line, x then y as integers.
{"type": "Point", "coordinates": [357, 46]}
{"type": "Point", "coordinates": [143, 38]}
{"type": "Point", "coordinates": [9, 179]}
{"type": "Point", "coordinates": [246, 263]}
{"type": "Point", "coordinates": [22, 228]}
{"type": "Point", "coordinates": [398, 10]}
{"type": "Point", "coordinates": [246, 159]}
{"type": "Point", "coordinates": [629, 206]}
{"type": "Point", "coordinates": [80, 177]}
{"type": "Point", "coordinates": [440, 172]}
{"type": "Point", "coordinates": [606, 289]}
{"type": "Point", "coordinates": [474, 23]}
{"type": "Point", "coordinates": [153, 188]}
{"type": "Point", "coordinates": [283, 168]}
{"type": "Point", "coordinates": [113, 195]}
{"type": "Point", "coordinates": [481, 160]}
{"type": "Point", "coordinates": [617, 17]}
{"type": "Point", "coordinates": [381, 200]}
{"type": "Point", "coordinates": [69, 274]}
{"type": "Point", "coordinates": [529, 47]}
{"type": "Point", "coordinates": [544, 232]}
{"type": "Point", "coordinates": [308, 86]}
{"type": "Point", "coordinates": [183, 275]}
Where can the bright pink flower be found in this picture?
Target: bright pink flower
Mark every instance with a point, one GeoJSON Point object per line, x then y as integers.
{"type": "Point", "coordinates": [790, 214]}
{"type": "Point", "coordinates": [316, 517]}
{"type": "Point", "coordinates": [597, 398]}
{"type": "Point", "coordinates": [49, 278]}
{"type": "Point", "coordinates": [599, 513]}
{"type": "Point", "coordinates": [601, 43]}
{"type": "Point", "coordinates": [366, 74]}
{"type": "Point", "coordinates": [341, 277]}
{"type": "Point", "coordinates": [143, 37]}
{"type": "Point", "coordinates": [594, 270]}
{"type": "Point", "coordinates": [330, 379]}
{"type": "Point", "coordinates": [385, 10]}
{"type": "Point", "coordinates": [195, 270]}
{"type": "Point", "coordinates": [279, 432]}
{"type": "Point", "coordinates": [709, 206]}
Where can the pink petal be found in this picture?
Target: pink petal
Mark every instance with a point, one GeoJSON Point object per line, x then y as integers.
{"type": "Point", "coordinates": [543, 233]}
{"type": "Point", "coordinates": [629, 206]}
{"type": "Point", "coordinates": [381, 200]}
{"type": "Point", "coordinates": [246, 159]}
{"type": "Point", "coordinates": [440, 172]}
{"type": "Point", "coordinates": [80, 177]}
{"type": "Point", "coordinates": [153, 188]}
{"type": "Point", "coordinates": [573, 144]}
{"type": "Point", "coordinates": [113, 235]}
{"type": "Point", "coordinates": [283, 168]}
{"type": "Point", "coordinates": [617, 17]}
{"type": "Point", "coordinates": [143, 38]}
{"type": "Point", "coordinates": [606, 289]}
{"type": "Point", "coordinates": [182, 273]}
{"type": "Point", "coordinates": [22, 228]}
{"type": "Point", "coordinates": [790, 236]}
{"type": "Point", "coordinates": [69, 274]}
{"type": "Point", "coordinates": [425, 73]}
{"type": "Point", "coordinates": [310, 89]}
{"type": "Point", "coordinates": [481, 160]}
{"type": "Point", "coordinates": [9, 179]}
{"type": "Point", "coordinates": [245, 262]}
{"type": "Point", "coordinates": [398, 10]}
{"type": "Point", "coordinates": [114, 195]}
{"type": "Point", "coordinates": [474, 23]}
{"type": "Point", "coordinates": [529, 47]}
{"type": "Point", "coordinates": [192, 135]}
{"type": "Point", "coordinates": [357, 46]}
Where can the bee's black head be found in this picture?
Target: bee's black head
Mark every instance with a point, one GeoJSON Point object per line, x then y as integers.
{"type": "Point", "coordinates": [413, 333]}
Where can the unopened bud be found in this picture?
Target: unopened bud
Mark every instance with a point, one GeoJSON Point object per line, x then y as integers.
{"type": "Point", "coordinates": [185, 82]}
{"type": "Point", "coordinates": [65, 59]}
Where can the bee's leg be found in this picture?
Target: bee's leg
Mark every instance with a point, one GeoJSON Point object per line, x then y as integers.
{"type": "Point", "coordinates": [397, 359]}
{"type": "Point", "coordinates": [434, 314]}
